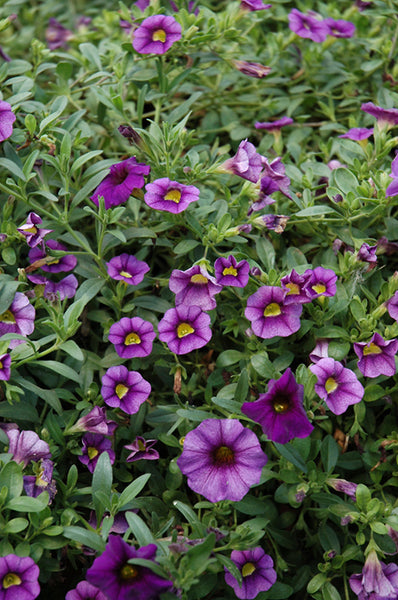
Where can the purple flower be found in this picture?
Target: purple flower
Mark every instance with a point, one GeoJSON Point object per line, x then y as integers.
{"type": "Point", "coordinates": [392, 306]}
{"type": "Point", "coordinates": [53, 265]}
{"type": "Point", "coordinates": [57, 35]}
{"type": "Point", "coordinates": [338, 386]}
{"type": "Point", "coordinates": [320, 351]}
{"type": "Point", "coordinates": [274, 125]}
{"type": "Point", "coordinates": [344, 486]}
{"type": "Point", "coordinates": [194, 286]}
{"type": "Point", "coordinates": [7, 119]}
{"type": "Point", "coordinates": [256, 568]}
{"type": "Point", "coordinates": [222, 459]}
{"type": "Point", "coordinates": [229, 272]}
{"type": "Point", "coordinates": [156, 34]}
{"type": "Point", "coordinates": [294, 286]}
{"type": "Point", "coordinates": [95, 444]}
{"type": "Point", "coordinates": [94, 421]}
{"type": "Point", "coordinates": [280, 411]}
{"type": "Point", "coordinates": [56, 291]}
{"type": "Point", "coordinates": [119, 580]}
{"type": "Point", "coordinates": [275, 170]}
{"type": "Point", "coordinates": [122, 179]}
{"type": "Point", "coordinates": [128, 268]}
{"type": "Point", "coordinates": [170, 196]}
{"type": "Point", "coordinates": [252, 69]}
{"type": "Point", "coordinates": [185, 328]}
{"type": "Point", "coordinates": [142, 4]}
{"type": "Point", "coordinates": [124, 389]}
{"type": "Point", "coordinates": [376, 357]}
{"type": "Point", "coordinates": [377, 581]}
{"type": "Point", "coordinates": [5, 367]}
{"type": "Point", "coordinates": [357, 134]}
{"type": "Point", "coordinates": [252, 5]}
{"type": "Point", "coordinates": [132, 337]}
{"type": "Point", "coordinates": [26, 446]}
{"type": "Point", "coordinates": [275, 223]}
{"type": "Point", "coordinates": [385, 116]}
{"type": "Point", "coordinates": [246, 163]}
{"type": "Point", "coordinates": [386, 247]}
{"type": "Point", "coordinates": [85, 591]}
{"type": "Point", "coordinates": [34, 235]}
{"type": "Point", "coordinates": [320, 282]}
{"type": "Point", "coordinates": [18, 318]}
{"type": "Point", "coordinates": [141, 449]}
{"type": "Point", "coordinates": [339, 28]}
{"type": "Point", "coordinates": [307, 26]}
{"type": "Point", "coordinates": [367, 253]}
{"type": "Point", "coordinates": [267, 187]}
{"type": "Point", "coordinates": [34, 485]}
{"type": "Point", "coordinates": [270, 316]}
{"type": "Point", "coordinates": [392, 189]}
{"type": "Point", "coordinates": [18, 577]}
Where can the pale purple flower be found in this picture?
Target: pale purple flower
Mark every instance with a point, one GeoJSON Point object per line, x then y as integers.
{"type": "Point", "coordinates": [295, 288]}
{"type": "Point", "coordinates": [376, 357]}
{"type": "Point", "coordinates": [320, 282]}
{"type": "Point", "coordinates": [274, 125]}
{"type": "Point", "coordinates": [357, 134]}
{"type": "Point", "coordinates": [185, 328]}
{"type": "Point", "coordinates": [194, 286]}
{"type": "Point", "coordinates": [18, 318]}
{"type": "Point", "coordinates": [320, 351]}
{"type": "Point", "coordinates": [392, 306]}
{"type": "Point", "coordinates": [5, 367]}
{"type": "Point", "coordinates": [94, 444]}
{"type": "Point", "coordinates": [57, 36]}
{"type": "Point", "coordinates": [270, 316]}
{"type": "Point", "coordinates": [246, 163]}
{"type": "Point", "coordinates": [392, 189]}
{"type": "Point", "coordinates": [26, 446]}
{"type": "Point", "coordinates": [256, 568]}
{"type": "Point", "coordinates": [124, 389]}
{"type": "Point", "coordinates": [229, 272]}
{"type": "Point", "coordinates": [141, 449]}
{"type": "Point", "coordinates": [170, 196]}
{"type": "Point", "coordinates": [344, 486]}
{"type": "Point", "coordinates": [267, 187]}
{"type": "Point", "coordinates": [307, 26]}
{"type": "Point", "coordinates": [338, 386]}
{"type": "Point", "coordinates": [275, 223]}
{"type": "Point", "coordinates": [85, 591]}
{"type": "Point", "coordinates": [7, 118]}
{"type": "Point", "coordinates": [34, 485]}
{"type": "Point", "coordinates": [275, 170]}
{"type": "Point", "coordinates": [252, 69]}
{"type": "Point", "coordinates": [54, 291]}
{"type": "Point", "coordinates": [252, 5]}
{"type": "Point", "coordinates": [122, 179]}
{"type": "Point", "coordinates": [386, 116]}
{"type": "Point", "coordinates": [94, 421]}
{"type": "Point", "coordinates": [377, 581]}
{"type": "Point", "coordinates": [19, 578]}
{"type": "Point", "coordinates": [53, 265]}
{"type": "Point", "coordinates": [33, 234]}
{"type": "Point", "coordinates": [339, 28]}
{"type": "Point", "coordinates": [156, 34]}
{"type": "Point", "coordinates": [128, 268]}
{"type": "Point", "coordinates": [132, 337]}
{"type": "Point", "coordinates": [367, 253]}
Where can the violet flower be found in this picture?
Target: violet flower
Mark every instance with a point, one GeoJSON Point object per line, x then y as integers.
{"type": "Point", "coordinates": [18, 318]}
{"type": "Point", "coordinates": [19, 578]}
{"type": "Point", "coordinates": [156, 34]}
{"type": "Point", "coordinates": [256, 568]}
{"type": "Point", "coordinates": [339, 28]}
{"type": "Point", "coordinates": [229, 272]}
{"type": "Point", "coordinates": [270, 316]}
{"type": "Point", "coordinates": [56, 291]}
{"type": "Point", "coordinates": [367, 253]}
{"type": "Point", "coordinates": [252, 69]}
{"type": "Point", "coordinates": [307, 26]}
{"type": "Point", "coordinates": [7, 118]}
{"type": "Point", "coordinates": [5, 367]}
{"type": "Point", "coordinates": [392, 189]}
{"type": "Point", "coordinates": [295, 288]}
{"type": "Point", "coordinates": [141, 449]}
{"type": "Point", "coordinates": [392, 306]}
{"type": "Point", "coordinates": [267, 187]}
{"type": "Point", "coordinates": [185, 328]}
{"type": "Point", "coordinates": [275, 223]}
{"type": "Point", "coordinates": [94, 444]}
{"type": "Point", "coordinates": [222, 459]}
{"type": "Point", "coordinates": [320, 282]}
{"type": "Point", "coordinates": [124, 389]}
{"type": "Point", "coordinates": [122, 179]}
{"type": "Point", "coordinates": [246, 163]}
{"type": "Point", "coordinates": [34, 485]}
{"type": "Point", "coordinates": [57, 36]}
{"type": "Point", "coordinates": [338, 386]}
{"type": "Point", "coordinates": [85, 591]}
{"type": "Point", "coordinates": [119, 580]}
{"type": "Point", "coordinates": [320, 351]}
{"type": "Point", "coordinates": [275, 170]}
{"type": "Point", "coordinates": [94, 421]}
{"type": "Point", "coordinates": [170, 196]}
{"type": "Point", "coordinates": [53, 265]}
{"type": "Point", "coordinates": [132, 337]}
{"type": "Point", "coordinates": [128, 268]}
{"type": "Point", "coordinates": [33, 234]}
{"type": "Point", "coordinates": [252, 5]}
{"type": "Point", "coordinates": [376, 357]}
{"type": "Point", "coordinates": [385, 116]}
{"type": "Point", "coordinates": [357, 134]}
{"type": "Point", "coordinates": [26, 446]}
{"type": "Point", "coordinates": [280, 411]}
{"type": "Point", "coordinates": [194, 286]}
{"type": "Point", "coordinates": [344, 486]}
{"type": "Point", "coordinates": [274, 125]}
{"type": "Point", "coordinates": [377, 581]}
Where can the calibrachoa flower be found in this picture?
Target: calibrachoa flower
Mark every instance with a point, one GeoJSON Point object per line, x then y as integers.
{"type": "Point", "coordinates": [252, 5]}
{"type": "Point", "coordinates": [33, 234]}
{"type": "Point", "coordinates": [185, 328]}
{"type": "Point", "coordinates": [5, 367]}
{"type": "Point", "coordinates": [34, 485]}
{"type": "Point", "coordinates": [357, 134]}
{"type": "Point", "coordinates": [344, 486]}
{"type": "Point", "coordinates": [246, 163]}
{"type": "Point", "coordinates": [170, 196]}
{"type": "Point", "coordinates": [85, 591]}
{"type": "Point", "coordinates": [124, 389]}
{"type": "Point", "coordinates": [339, 28]}
{"type": "Point", "coordinates": [376, 357]}
{"type": "Point", "coordinates": [18, 577]}
{"type": "Point", "coordinates": [222, 459]}
{"type": "Point", "coordinates": [280, 411]}
{"type": "Point", "coordinates": [252, 69]}
{"type": "Point", "coordinates": [119, 580]}
{"type": "Point", "coordinates": [377, 581]}
{"type": "Point", "coordinates": [320, 282]}
{"type": "Point", "coordinates": [367, 253]}
{"type": "Point", "coordinates": [123, 178]}
{"type": "Point", "coordinates": [270, 316]}
{"type": "Point", "coordinates": [132, 337]}
{"type": "Point", "coordinates": [26, 446]}
{"type": "Point", "coordinates": [385, 116]}
{"type": "Point", "coordinates": [275, 170]}
{"type": "Point", "coordinates": [392, 189]}
{"type": "Point", "coordinates": [275, 223]}
{"type": "Point", "coordinates": [267, 187]}
{"type": "Point", "coordinates": [156, 34]}
{"type": "Point", "coordinates": [229, 272]}
{"type": "Point", "coordinates": [95, 444]}
{"type": "Point", "coordinates": [294, 286]}
{"type": "Point", "coordinates": [94, 421]}
{"type": "Point", "coordinates": [258, 574]}
{"type": "Point", "coordinates": [320, 351]}
{"type": "Point", "coordinates": [338, 386]}
{"type": "Point", "coordinates": [57, 35]}
{"type": "Point", "coordinates": [128, 268]}
{"type": "Point", "coordinates": [307, 26]}
{"type": "Point", "coordinates": [194, 286]}
{"type": "Point", "coordinates": [274, 125]}
{"type": "Point", "coordinates": [53, 291]}
{"type": "Point", "coordinates": [392, 306]}
{"type": "Point", "coordinates": [56, 265]}
{"type": "Point", "coordinates": [142, 449]}
{"type": "Point", "coordinates": [18, 318]}
{"type": "Point", "coordinates": [7, 119]}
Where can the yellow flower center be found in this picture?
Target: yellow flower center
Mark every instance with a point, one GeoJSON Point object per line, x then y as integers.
{"type": "Point", "coordinates": [247, 569]}
{"type": "Point", "coordinates": [92, 452]}
{"type": "Point", "coordinates": [7, 317]}
{"type": "Point", "coordinates": [159, 36]}
{"type": "Point", "coordinates": [293, 288]}
{"type": "Point", "coordinates": [121, 390]}
{"type": "Point", "coordinates": [32, 229]}
{"type": "Point", "coordinates": [223, 455]}
{"type": "Point", "coordinates": [128, 572]}
{"type": "Point", "coordinates": [132, 338]}
{"type": "Point", "coordinates": [372, 349]}
{"type": "Point", "coordinates": [281, 404]}
{"type": "Point", "coordinates": [331, 385]}
{"type": "Point", "coordinates": [184, 329]}
{"type": "Point", "coordinates": [11, 579]}
{"type": "Point", "coordinates": [319, 288]}
{"type": "Point", "coordinates": [1, 365]}
{"type": "Point", "coordinates": [230, 271]}
{"type": "Point", "coordinates": [141, 445]}
{"type": "Point", "coordinates": [125, 274]}
{"type": "Point", "coordinates": [173, 195]}
{"type": "Point", "coordinates": [54, 261]}
{"type": "Point", "coordinates": [199, 278]}
{"type": "Point", "coordinates": [272, 310]}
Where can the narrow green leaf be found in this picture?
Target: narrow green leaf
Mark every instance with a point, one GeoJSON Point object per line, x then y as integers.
{"type": "Point", "coordinates": [132, 490]}
{"type": "Point", "coordinates": [139, 529]}
{"type": "Point", "coordinates": [292, 455]}
{"type": "Point", "coordinates": [85, 537]}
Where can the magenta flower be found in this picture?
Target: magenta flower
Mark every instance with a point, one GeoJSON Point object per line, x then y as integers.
{"type": "Point", "coordinates": [294, 286]}
{"type": "Point", "coordinates": [222, 459]}
{"type": "Point", "coordinates": [252, 69]}
{"type": "Point", "coordinates": [85, 591]}
{"type": "Point", "coordinates": [122, 179]}
{"type": "Point", "coordinates": [229, 272]}
{"type": "Point", "coordinates": [194, 286]}
{"type": "Point", "coordinates": [94, 444]}
{"type": "Point", "coordinates": [5, 367]}
{"type": "Point", "coordinates": [7, 119]}
{"type": "Point", "coordinates": [392, 306]}
{"type": "Point", "coordinates": [377, 581]}
{"type": "Point", "coordinates": [19, 578]}
{"type": "Point", "coordinates": [56, 291]}
{"type": "Point", "coordinates": [57, 36]}
{"type": "Point", "coordinates": [258, 574]}
{"type": "Point", "coordinates": [338, 386]}
{"type": "Point", "coordinates": [54, 265]}
{"type": "Point", "coordinates": [141, 449]}
{"type": "Point", "coordinates": [156, 34]}
{"type": "Point", "coordinates": [344, 486]}
{"type": "Point", "coordinates": [357, 134]}
{"type": "Point", "coordinates": [26, 446]}
{"type": "Point", "coordinates": [307, 26]}
{"type": "Point", "coordinates": [270, 316]}
{"type": "Point", "coordinates": [246, 163]}
{"type": "Point", "coordinates": [274, 125]}
{"type": "Point", "coordinates": [18, 318]}
{"type": "Point", "coordinates": [33, 234]}
{"type": "Point", "coordinates": [252, 5]}
{"type": "Point", "coordinates": [385, 116]}
{"type": "Point", "coordinates": [275, 170]}
{"type": "Point", "coordinates": [280, 411]}
{"type": "Point", "coordinates": [339, 28]}
{"type": "Point", "coordinates": [376, 357]}
{"type": "Point", "coordinates": [185, 328]}
{"type": "Point", "coordinates": [119, 580]}
{"type": "Point", "coordinates": [320, 282]}
{"type": "Point", "coordinates": [128, 268]}
{"type": "Point", "coordinates": [392, 189]}
{"type": "Point", "coordinates": [367, 253]}
{"type": "Point", "coordinates": [267, 187]}
{"type": "Point", "coordinates": [132, 337]}
{"type": "Point", "coordinates": [170, 196]}
{"type": "Point", "coordinates": [124, 389]}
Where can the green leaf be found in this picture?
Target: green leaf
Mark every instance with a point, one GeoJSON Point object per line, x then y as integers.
{"type": "Point", "coordinates": [192, 414]}
{"type": "Point", "coordinates": [329, 539]}
{"type": "Point", "coordinates": [102, 482]}
{"type": "Point", "coordinates": [242, 387]}
{"type": "Point", "coordinates": [152, 303]}
{"type": "Point", "coordinates": [344, 179]}
{"type": "Point", "coordinates": [231, 566]}
{"type": "Point", "coordinates": [139, 529]}
{"type": "Point", "coordinates": [50, 396]}
{"type": "Point", "coordinates": [313, 211]}
{"type": "Point", "coordinates": [330, 453]}
{"type": "Point", "coordinates": [71, 348]}
{"type": "Point", "coordinates": [363, 497]}
{"type": "Point", "coordinates": [28, 504]}
{"type": "Point", "coordinates": [228, 357]}
{"type": "Point", "coordinates": [149, 564]}
{"type": "Point", "coordinates": [186, 246]}
{"type": "Point", "coordinates": [13, 168]}
{"type": "Point", "coordinates": [58, 367]}
{"type": "Point", "coordinates": [16, 525]}
{"type": "Point", "coordinates": [316, 583]}
{"type": "Point", "coordinates": [188, 513]}
{"type": "Point", "coordinates": [178, 113]}
{"type": "Point", "coordinates": [292, 455]}
{"type": "Point", "coordinates": [132, 490]}
{"type": "Point", "coordinates": [85, 537]}
{"type": "Point", "coordinates": [198, 555]}
{"type": "Point", "coordinates": [8, 287]}
{"type": "Point", "coordinates": [262, 365]}
{"type": "Point", "coordinates": [329, 592]}
{"type": "Point", "coordinates": [11, 477]}
{"type": "Point", "coordinates": [90, 52]}
{"type": "Point", "coordinates": [58, 106]}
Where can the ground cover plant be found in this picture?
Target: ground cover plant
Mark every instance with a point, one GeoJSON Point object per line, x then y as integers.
{"type": "Point", "coordinates": [198, 300]}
